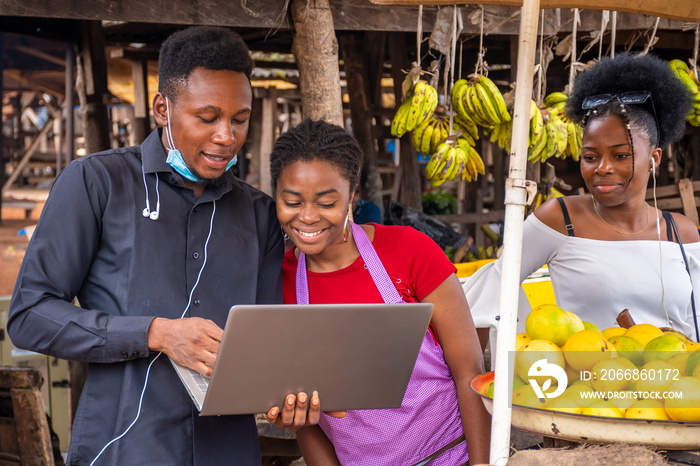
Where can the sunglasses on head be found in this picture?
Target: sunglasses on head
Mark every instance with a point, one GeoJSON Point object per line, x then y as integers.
{"type": "Point", "coordinates": [630, 97]}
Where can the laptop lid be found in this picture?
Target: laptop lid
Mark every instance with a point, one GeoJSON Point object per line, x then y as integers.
{"type": "Point", "coordinates": [357, 356]}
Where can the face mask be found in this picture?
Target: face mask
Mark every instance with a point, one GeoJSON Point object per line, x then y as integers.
{"type": "Point", "coordinates": [175, 159]}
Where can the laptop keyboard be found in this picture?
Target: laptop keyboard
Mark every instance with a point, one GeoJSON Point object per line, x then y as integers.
{"type": "Point", "coordinates": [201, 380]}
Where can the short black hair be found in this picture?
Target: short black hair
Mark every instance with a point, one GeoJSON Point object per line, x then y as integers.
{"type": "Point", "coordinates": [212, 48]}
{"type": "Point", "coordinates": [633, 72]}
{"type": "Point", "coordinates": [317, 140]}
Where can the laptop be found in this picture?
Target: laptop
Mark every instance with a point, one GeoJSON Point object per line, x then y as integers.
{"type": "Point", "coordinates": [357, 356]}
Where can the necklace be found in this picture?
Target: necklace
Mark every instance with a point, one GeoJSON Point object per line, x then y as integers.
{"type": "Point", "coordinates": [595, 207]}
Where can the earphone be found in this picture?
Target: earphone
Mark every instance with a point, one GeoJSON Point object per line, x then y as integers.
{"type": "Point", "coordinates": [653, 167]}
{"type": "Point", "coordinates": [189, 301]}
{"type": "Point", "coordinates": [147, 212]}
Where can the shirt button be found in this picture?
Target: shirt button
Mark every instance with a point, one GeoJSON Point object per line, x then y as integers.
{"type": "Point", "coordinates": [195, 209]}
{"type": "Point", "coordinates": [125, 354]}
{"type": "Point", "coordinates": [136, 354]}
{"type": "Point", "coordinates": [196, 302]}
{"type": "Point", "coordinates": [195, 255]}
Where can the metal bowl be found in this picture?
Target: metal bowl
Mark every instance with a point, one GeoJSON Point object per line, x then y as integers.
{"type": "Point", "coordinates": [667, 435]}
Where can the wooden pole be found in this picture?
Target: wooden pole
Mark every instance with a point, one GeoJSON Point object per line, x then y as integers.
{"type": "Point", "coordinates": [358, 82]}
{"type": "Point", "coordinates": [316, 50]}
{"type": "Point", "coordinates": [92, 88]}
{"type": "Point", "coordinates": [2, 151]}
{"type": "Point", "coordinates": [141, 126]}
{"type": "Point", "coordinates": [515, 201]}
{"type": "Point", "coordinates": [408, 159]}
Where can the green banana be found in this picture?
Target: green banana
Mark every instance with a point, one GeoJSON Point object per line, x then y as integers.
{"type": "Point", "coordinates": [554, 98]}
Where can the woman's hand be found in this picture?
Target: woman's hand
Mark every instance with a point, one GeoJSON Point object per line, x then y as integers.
{"type": "Point", "coordinates": [298, 412]}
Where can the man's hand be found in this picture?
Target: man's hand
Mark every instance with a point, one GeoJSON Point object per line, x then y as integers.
{"type": "Point", "coordinates": [192, 342]}
{"type": "Point", "coordinates": [297, 412]}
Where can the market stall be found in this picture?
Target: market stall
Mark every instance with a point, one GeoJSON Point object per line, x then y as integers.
{"type": "Point", "coordinates": [519, 190]}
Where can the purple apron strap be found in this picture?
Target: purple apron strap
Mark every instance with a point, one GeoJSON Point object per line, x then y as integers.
{"type": "Point", "coordinates": [372, 262]}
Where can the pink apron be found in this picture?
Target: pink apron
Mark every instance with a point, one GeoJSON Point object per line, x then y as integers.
{"type": "Point", "coordinates": [427, 429]}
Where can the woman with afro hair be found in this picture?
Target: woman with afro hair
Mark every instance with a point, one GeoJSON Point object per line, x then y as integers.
{"type": "Point", "coordinates": [611, 250]}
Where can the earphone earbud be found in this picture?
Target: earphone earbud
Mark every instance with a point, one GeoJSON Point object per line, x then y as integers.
{"type": "Point", "coordinates": [147, 212]}
{"type": "Point", "coordinates": [653, 167]}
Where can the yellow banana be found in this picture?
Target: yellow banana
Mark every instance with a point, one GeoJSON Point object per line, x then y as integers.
{"type": "Point", "coordinates": [468, 124]}
{"type": "Point", "coordinates": [574, 142]}
{"type": "Point", "coordinates": [417, 135]}
{"type": "Point", "coordinates": [457, 97]}
{"type": "Point", "coordinates": [487, 104]}
{"type": "Point", "coordinates": [436, 163]}
{"type": "Point", "coordinates": [398, 124]}
{"type": "Point", "coordinates": [429, 104]}
{"type": "Point", "coordinates": [539, 146]}
{"type": "Point", "coordinates": [425, 139]}
{"type": "Point", "coordinates": [562, 135]}
{"type": "Point", "coordinates": [496, 97]}
{"type": "Point", "coordinates": [447, 153]}
{"type": "Point", "coordinates": [476, 113]}
{"type": "Point", "coordinates": [416, 103]}
{"type": "Point", "coordinates": [551, 141]}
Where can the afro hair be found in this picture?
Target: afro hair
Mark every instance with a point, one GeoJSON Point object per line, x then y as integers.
{"type": "Point", "coordinates": [628, 72]}
{"type": "Point", "coordinates": [212, 48]}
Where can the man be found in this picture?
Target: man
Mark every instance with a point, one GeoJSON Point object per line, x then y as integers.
{"type": "Point", "coordinates": [143, 236]}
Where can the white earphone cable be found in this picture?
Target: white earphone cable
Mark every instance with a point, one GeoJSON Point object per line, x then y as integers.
{"type": "Point", "coordinates": [658, 235]}
{"type": "Point", "coordinates": [148, 371]}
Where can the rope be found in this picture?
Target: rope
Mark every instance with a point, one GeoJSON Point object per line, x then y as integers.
{"type": "Point", "coordinates": [419, 34]}
{"type": "Point", "coordinates": [653, 36]}
{"type": "Point", "coordinates": [479, 68]}
{"type": "Point", "coordinates": [453, 51]}
{"type": "Point", "coordinates": [540, 71]}
{"type": "Point", "coordinates": [574, 59]}
{"type": "Point", "coordinates": [604, 18]}
{"type": "Point", "coordinates": [613, 34]}
{"type": "Point", "coordinates": [696, 48]}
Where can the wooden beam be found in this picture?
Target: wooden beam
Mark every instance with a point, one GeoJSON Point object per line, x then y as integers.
{"type": "Point", "coordinates": [39, 54]}
{"type": "Point", "coordinates": [33, 85]}
{"type": "Point", "coordinates": [682, 10]}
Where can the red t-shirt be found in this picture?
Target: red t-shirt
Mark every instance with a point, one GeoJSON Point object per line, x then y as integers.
{"type": "Point", "coordinates": [414, 262]}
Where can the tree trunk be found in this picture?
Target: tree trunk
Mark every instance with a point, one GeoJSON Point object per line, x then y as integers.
{"type": "Point", "coordinates": [408, 159]}
{"type": "Point", "coordinates": [316, 50]}
{"type": "Point", "coordinates": [358, 79]}
{"type": "Point", "coordinates": [92, 87]}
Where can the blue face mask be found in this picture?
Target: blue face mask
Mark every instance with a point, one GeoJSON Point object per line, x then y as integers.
{"type": "Point", "coordinates": [175, 159]}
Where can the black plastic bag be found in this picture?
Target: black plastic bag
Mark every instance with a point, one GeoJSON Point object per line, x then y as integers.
{"type": "Point", "coordinates": [445, 237]}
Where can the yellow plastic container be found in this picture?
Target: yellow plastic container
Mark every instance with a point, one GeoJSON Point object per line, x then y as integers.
{"type": "Point", "coordinates": [467, 269]}
{"type": "Point", "coordinates": [538, 287]}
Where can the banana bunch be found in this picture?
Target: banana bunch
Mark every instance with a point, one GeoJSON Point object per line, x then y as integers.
{"type": "Point", "coordinates": [418, 106]}
{"type": "Point", "coordinates": [692, 82]}
{"type": "Point", "coordinates": [436, 129]}
{"type": "Point", "coordinates": [479, 100]}
{"type": "Point", "coordinates": [553, 140]}
{"type": "Point", "coordinates": [556, 100]}
{"type": "Point", "coordinates": [452, 159]}
{"type": "Point", "coordinates": [551, 133]}
{"type": "Point", "coordinates": [501, 134]}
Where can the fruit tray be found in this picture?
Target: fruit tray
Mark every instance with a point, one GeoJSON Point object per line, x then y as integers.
{"type": "Point", "coordinates": [667, 435]}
